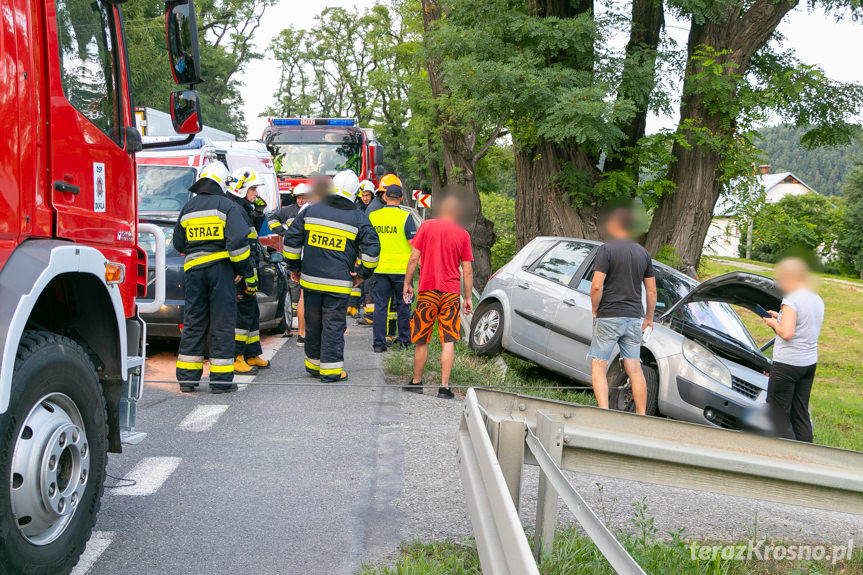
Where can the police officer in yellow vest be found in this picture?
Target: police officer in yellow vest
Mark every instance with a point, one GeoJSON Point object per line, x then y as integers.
{"type": "Point", "coordinates": [395, 228]}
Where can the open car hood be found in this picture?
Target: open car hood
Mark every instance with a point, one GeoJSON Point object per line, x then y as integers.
{"type": "Point", "coordinates": [744, 289]}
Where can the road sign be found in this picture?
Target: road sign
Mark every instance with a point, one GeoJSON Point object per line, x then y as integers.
{"type": "Point", "coordinates": [416, 194]}
{"type": "Point", "coordinates": [425, 200]}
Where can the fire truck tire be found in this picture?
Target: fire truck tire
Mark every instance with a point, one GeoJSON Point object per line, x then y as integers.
{"type": "Point", "coordinates": [52, 466]}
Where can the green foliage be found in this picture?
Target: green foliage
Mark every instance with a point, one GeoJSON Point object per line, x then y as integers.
{"type": "Point", "coordinates": [500, 209]}
{"type": "Point", "coordinates": [809, 225]}
{"type": "Point", "coordinates": [226, 30]}
{"type": "Point", "coordinates": [825, 168]}
{"type": "Point", "coordinates": [851, 242]}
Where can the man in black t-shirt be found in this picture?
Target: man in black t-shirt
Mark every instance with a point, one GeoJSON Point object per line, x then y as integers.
{"type": "Point", "coordinates": [621, 267]}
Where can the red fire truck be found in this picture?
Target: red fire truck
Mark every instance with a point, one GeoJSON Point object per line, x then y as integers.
{"type": "Point", "coordinates": [303, 148]}
{"type": "Point", "coordinates": [72, 363]}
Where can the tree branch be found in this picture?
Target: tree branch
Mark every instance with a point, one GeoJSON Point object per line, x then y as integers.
{"type": "Point", "coordinates": [490, 141]}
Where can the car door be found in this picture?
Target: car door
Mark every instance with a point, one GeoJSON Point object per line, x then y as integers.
{"type": "Point", "coordinates": [539, 291]}
{"type": "Point", "coordinates": [92, 185]}
{"type": "Point", "coordinates": [571, 326]}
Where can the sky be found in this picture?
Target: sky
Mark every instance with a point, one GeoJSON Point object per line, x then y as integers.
{"type": "Point", "coordinates": [818, 39]}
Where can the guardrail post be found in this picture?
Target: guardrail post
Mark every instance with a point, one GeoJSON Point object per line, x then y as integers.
{"type": "Point", "coordinates": [549, 431]}
{"type": "Point", "coordinates": [510, 455]}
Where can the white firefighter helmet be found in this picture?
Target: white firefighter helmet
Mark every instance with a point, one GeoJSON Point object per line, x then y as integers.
{"type": "Point", "coordinates": [215, 171]}
{"type": "Point", "coordinates": [243, 180]}
{"type": "Point", "coordinates": [302, 189]}
{"type": "Point", "coordinates": [346, 184]}
{"type": "Point", "coordinates": [367, 186]}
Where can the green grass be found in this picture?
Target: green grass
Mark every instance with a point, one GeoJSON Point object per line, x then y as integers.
{"type": "Point", "coordinates": [575, 554]}
{"type": "Point", "coordinates": [506, 372]}
{"type": "Point", "coordinates": [837, 396]}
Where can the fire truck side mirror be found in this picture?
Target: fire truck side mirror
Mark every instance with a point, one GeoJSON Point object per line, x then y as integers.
{"type": "Point", "coordinates": [186, 112]}
{"type": "Point", "coordinates": [379, 156]}
{"type": "Point", "coordinates": [379, 170]}
{"type": "Point", "coordinates": [181, 26]}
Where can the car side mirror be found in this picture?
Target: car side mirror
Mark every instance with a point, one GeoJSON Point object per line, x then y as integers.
{"type": "Point", "coordinates": [181, 27]}
{"type": "Point", "coordinates": [276, 257]}
{"type": "Point", "coordinates": [186, 112]}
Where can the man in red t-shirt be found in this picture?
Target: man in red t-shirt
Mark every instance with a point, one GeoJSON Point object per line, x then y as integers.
{"type": "Point", "coordinates": [443, 246]}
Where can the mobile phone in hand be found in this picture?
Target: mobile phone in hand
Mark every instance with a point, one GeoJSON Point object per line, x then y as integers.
{"type": "Point", "coordinates": [761, 311]}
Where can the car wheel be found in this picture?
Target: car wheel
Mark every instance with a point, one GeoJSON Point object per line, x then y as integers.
{"type": "Point", "coordinates": [486, 330]}
{"type": "Point", "coordinates": [621, 391]}
{"type": "Point", "coordinates": [52, 474]}
{"type": "Point", "coordinates": [286, 318]}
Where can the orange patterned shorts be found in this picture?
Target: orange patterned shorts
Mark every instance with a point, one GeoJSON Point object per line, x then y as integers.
{"type": "Point", "coordinates": [436, 305]}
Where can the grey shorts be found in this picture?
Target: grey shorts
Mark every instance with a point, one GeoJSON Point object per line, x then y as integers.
{"type": "Point", "coordinates": [623, 331]}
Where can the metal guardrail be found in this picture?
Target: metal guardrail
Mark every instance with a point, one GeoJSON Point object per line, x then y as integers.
{"type": "Point", "coordinates": [500, 432]}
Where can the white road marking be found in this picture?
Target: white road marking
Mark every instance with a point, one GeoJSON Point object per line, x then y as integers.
{"type": "Point", "coordinates": [202, 418]}
{"type": "Point", "coordinates": [148, 475]}
{"type": "Point", "coordinates": [97, 544]}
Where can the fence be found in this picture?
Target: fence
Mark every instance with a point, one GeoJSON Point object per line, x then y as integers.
{"type": "Point", "coordinates": [501, 432]}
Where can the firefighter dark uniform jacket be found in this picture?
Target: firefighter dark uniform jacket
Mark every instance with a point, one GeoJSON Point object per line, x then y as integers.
{"type": "Point", "coordinates": [280, 220]}
{"type": "Point", "coordinates": [253, 223]}
{"type": "Point", "coordinates": [211, 228]}
{"type": "Point", "coordinates": [328, 236]}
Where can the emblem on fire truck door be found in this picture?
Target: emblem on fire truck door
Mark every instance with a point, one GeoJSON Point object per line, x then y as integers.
{"type": "Point", "coordinates": [99, 190]}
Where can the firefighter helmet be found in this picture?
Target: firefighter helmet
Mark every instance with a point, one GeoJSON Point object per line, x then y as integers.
{"type": "Point", "coordinates": [389, 180]}
{"type": "Point", "coordinates": [215, 171]}
{"type": "Point", "coordinates": [302, 189]}
{"type": "Point", "coordinates": [244, 179]}
{"type": "Point", "coordinates": [346, 184]}
{"type": "Point", "coordinates": [367, 186]}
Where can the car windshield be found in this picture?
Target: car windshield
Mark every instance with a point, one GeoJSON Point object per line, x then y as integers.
{"type": "Point", "coordinates": [714, 316]}
{"type": "Point", "coordinates": [301, 160]}
{"type": "Point", "coordinates": [164, 188]}
{"type": "Point", "coordinates": [148, 243]}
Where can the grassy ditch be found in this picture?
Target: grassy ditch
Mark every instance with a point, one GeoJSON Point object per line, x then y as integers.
{"type": "Point", "coordinates": [673, 554]}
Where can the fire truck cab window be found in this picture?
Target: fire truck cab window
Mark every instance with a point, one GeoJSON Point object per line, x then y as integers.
{"type": "Point", "coordinates": [87, 60]}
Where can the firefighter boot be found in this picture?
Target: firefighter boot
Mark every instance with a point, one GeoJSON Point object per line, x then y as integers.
{"type": "Point", "coordinates": [258, 362]}
{"type": "Point", "coordinates": [243, 368]}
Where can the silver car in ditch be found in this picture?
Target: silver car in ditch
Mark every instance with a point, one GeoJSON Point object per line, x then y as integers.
{"type": "Point", "coordinates": [701, 363]}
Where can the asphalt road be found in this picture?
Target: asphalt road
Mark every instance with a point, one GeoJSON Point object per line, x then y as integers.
{"type": "Point", "coordinates": [271, 479]}
{"type": "Point", "coordinates": [307, 479]}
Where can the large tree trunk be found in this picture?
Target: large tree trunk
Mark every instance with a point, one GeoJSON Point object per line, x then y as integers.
{"type": "Point", "coordinates": [542, 208]}
{"type": "Point", "coordinates": [459, 137]}
{"type": "Point", "coordinates": [682, 219]}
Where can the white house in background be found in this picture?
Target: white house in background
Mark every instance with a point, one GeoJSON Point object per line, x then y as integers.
{"type": "Point", "coordinates": [723, 237]}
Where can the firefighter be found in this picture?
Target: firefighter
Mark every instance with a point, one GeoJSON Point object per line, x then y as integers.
{"type": "Point", "coordinates": [395, 228]}
{"type": "Point", "coordinates": [279, 221]}
{"type": "Point", "coordinates": [324, 241]}
{"type": "Point", "coordinates": [366, 193]}
{"type": "Point", "coordinates": [212, 232]}
{"type": "Point", "coordinates": [247, 334]}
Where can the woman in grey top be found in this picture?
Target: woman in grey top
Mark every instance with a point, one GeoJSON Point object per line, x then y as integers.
{"type": "Point", "coordinates": [795, 352]}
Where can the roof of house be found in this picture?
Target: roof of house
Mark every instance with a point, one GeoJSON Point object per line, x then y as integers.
{"type": "Point", "coordinates": [768, 182]}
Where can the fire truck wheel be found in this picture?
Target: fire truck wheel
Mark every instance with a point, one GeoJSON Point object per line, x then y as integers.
{"type": "Point", "coordinates": [52, 466]}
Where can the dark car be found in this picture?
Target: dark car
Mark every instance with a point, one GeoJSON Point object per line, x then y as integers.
{"type": "Point", "coordinates": [273, 295]}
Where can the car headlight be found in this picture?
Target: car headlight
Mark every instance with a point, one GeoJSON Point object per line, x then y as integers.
{"type": "Point", "coordinates": [706, 362]}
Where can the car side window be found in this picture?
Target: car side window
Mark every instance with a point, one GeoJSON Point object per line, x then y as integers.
{"type": "Point", "coordinates": [562, 261]}
{"type": "Point", "coordinates": [87, 59]}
